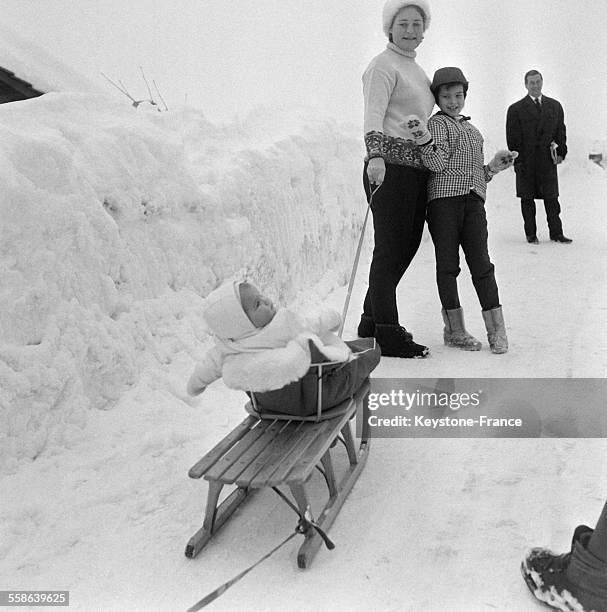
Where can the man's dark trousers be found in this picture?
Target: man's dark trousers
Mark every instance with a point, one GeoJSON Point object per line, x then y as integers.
{"type": "Point", "coordinates": [553, 211]}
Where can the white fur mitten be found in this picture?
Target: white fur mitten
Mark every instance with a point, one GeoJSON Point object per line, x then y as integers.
{"type": "Point", "coordinates": [330, 319]}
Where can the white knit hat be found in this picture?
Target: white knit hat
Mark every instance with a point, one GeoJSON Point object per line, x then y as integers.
{"type": "Point", "coordinates": [392, 7]}
{"type": "Point", "coordinates": [224, 313]}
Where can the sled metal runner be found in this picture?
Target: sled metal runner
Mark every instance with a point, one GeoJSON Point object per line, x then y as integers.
{"type": "Point", "coordinates": [262, 453]}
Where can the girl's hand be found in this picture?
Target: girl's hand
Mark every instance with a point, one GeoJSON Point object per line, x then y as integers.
{"type": "Point", "coordinates": [501, 160]}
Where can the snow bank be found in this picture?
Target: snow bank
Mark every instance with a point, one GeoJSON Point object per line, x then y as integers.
{"type": "Point", "coordinates": [116, 221]}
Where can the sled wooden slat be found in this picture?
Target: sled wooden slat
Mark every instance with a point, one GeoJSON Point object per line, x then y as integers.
{"type": "Point", "coordinates": [302, 452]}
{"type": "Point", "coordinates": [248, 440]}
{"type": "Point", "coordinates": [271, 456]}
{"type": "Point", "coordinates": [200, 467]}
{"type": "Point", "coordinates": [256, 455]}
{"type": "Point", "coordinates": [318, 448]}
{"type": "Point", "coordinates": [260, 453]}
{"type": "Point", "coordinates": [274, 474]}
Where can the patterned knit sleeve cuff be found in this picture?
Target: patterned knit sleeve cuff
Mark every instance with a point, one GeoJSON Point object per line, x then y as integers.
{"type": "Point", "coordinates": [374, 143]}
{"type": "Point", "coordinates": [489, 174]}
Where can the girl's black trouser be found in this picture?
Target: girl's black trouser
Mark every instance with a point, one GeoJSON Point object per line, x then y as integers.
{"type": "Point", "coordinates": [456, 221]}
{"type": "Point", "coordinates": [399, 212]}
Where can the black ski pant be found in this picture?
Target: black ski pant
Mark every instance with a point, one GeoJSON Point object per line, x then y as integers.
{"type": "Point", "coordinates": [399, 212]}
{"type": "Point", "coordinates": [456, 221]}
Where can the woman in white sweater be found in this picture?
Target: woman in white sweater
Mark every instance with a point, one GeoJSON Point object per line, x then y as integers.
{"type": "Point", "coordinates": [394, 86]}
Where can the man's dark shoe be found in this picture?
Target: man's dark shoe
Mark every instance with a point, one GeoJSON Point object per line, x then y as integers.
{"type": "Point", "coordinates": [561, 238]}
{"type": "Point", "coordinates": [396, 341]}
{"type": "Point", "coordinates": [366, 327]}
{"type": "Point", "coordinates": [532, 239]}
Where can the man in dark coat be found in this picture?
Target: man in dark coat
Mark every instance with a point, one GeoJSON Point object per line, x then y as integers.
{"type": "Point", "coordinates": [535, 127]}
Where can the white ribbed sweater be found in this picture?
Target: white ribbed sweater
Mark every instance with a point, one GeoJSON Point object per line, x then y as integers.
{"type": "Point", "coordinates": [394, 86]}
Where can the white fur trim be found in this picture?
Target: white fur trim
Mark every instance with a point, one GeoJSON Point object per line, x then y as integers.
{"type": "Point", "coordinates": [335, 353]}
{"type": "Point", "coordinates": [266, 370]}
{"type": "Point", "coordinates": [392, 7]}
{"type": "Point", "coordinates": [271, 369]}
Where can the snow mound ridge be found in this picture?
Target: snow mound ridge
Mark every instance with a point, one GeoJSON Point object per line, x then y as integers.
{"type": "Point", "coordinates": [117, 222]}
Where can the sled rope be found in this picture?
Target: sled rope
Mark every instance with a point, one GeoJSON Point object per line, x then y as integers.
{"type": "Point", "coordinates": [355, 265]}
{"type": "Point", "coordinates": [303, 525]}
{"type": "Point", "coordinates": [305, 520]}
{"type": "Point", "coordinates": [219, 591]}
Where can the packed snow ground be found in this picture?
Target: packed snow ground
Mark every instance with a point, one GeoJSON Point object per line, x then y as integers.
{"type": "Point", "coordinates": [116, 223]}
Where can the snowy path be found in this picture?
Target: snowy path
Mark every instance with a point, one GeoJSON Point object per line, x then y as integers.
{"type": "Point", "coordinates": [431, 525]}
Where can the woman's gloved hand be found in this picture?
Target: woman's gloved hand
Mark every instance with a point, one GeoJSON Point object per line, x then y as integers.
{"type": "Point", "coordinates": [376, 170]}
{"type": "Point", "coordinates": [417, 130]}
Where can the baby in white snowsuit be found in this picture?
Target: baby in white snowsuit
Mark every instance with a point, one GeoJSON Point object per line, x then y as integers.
{"type": "Point", "coordinates": [259, 348]}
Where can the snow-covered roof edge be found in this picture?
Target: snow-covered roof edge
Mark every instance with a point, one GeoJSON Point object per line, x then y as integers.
{"type": "Point", "coordinates": [36, 66]}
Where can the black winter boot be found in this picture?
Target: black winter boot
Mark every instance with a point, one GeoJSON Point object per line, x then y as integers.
{"type": "Point", "coordinates": [396, 341]}
{"type": "Point", "coordinates": [366, 327]}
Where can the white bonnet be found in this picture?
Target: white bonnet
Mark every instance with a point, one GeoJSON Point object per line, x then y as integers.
{"type": "Point", "coordinates": [224, 313]}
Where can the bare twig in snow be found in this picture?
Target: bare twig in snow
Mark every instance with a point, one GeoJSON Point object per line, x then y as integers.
{"type": "Point", "coordinates": [166, 108]}
{"type": "Point", "coordinates": [148, 86]}
{"type": "Point", "coordinates": [136, 103]}
{"type": "Point", "coordinates": [121, 89]}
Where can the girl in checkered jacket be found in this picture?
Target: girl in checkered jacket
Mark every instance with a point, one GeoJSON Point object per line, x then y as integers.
{"type": "Point", "coordinates": [452, 148]}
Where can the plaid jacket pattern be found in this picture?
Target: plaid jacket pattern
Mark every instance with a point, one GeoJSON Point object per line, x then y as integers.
{"type": "Point", "coordinates": [455, 157]}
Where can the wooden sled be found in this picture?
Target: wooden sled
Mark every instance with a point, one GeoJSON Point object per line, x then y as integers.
{"type": "Point", "coordinates": [273, 452]}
